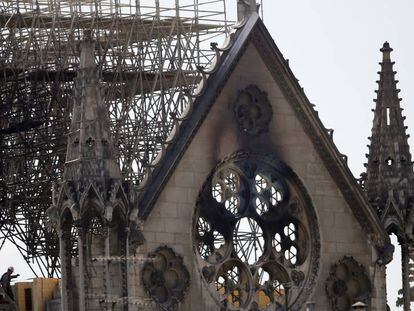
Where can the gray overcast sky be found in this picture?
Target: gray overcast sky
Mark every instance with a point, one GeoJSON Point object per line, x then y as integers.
{"type": "Point", "coordinates": [333, 48]}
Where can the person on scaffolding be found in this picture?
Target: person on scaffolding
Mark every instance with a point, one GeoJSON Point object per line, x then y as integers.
{"type": "Point", "coordinates": [5, 281]}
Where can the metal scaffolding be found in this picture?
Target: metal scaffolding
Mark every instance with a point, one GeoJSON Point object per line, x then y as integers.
{"type": "Point", "coordinates": [147, 52]}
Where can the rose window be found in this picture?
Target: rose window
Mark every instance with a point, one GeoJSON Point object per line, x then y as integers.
{"type": "Point", "coordinates": [255, 235]}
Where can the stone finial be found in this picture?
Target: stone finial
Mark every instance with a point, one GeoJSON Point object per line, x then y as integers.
{"type": "Point", "coordinates": [245, 8]}
{"type": "Point", "coordinates": [386, 51]}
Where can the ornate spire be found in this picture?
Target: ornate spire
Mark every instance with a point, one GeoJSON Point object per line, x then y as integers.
{"type": "Point", "coordinates": [90, 154]}
{"type": "Point", "coordinates": [91, 200]}
{"type": "Point", "coordinates": [389, 169]}
{"type": "Point", "coordinates": [390, 178]}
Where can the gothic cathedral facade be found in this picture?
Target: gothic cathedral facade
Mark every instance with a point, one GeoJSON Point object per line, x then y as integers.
{"type": "Point", "coordinates": [249, 205]}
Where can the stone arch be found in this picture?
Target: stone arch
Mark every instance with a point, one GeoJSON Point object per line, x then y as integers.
{"type": "Point", "coordinates": [68, 241]}
{"type": "Point", "coordinates": [94, 230]}
{"type": "Point", "coordinates": [254, 204]}
{"type": "Point", "coordinates": [393, 225]}
{"type": "Point", "coordinates": [117, 233]}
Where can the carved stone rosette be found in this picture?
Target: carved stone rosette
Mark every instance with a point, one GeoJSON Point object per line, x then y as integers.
{"type": "Point", "coordinates": [255, 235]}
{"type": "Point", "coordinates": [347, 283]}
{"type": "Point", "coordinates": [165, 277]}
{"type": "Point", "coordinates": [253, 111]}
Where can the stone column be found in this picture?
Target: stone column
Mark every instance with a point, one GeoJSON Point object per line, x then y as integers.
{"type": "Point", "coordinates": [130, 277]}
{"type": "Point", "coordinates": [125, 271]}
{"type": "Point", "coordinates": [82, 263]}
{"type": "Point", "coordinates": [405, 259]}
{"type": "Point", "coordinates": [64, 261]}
{"type": "Point", "coordinates": [107, 255]}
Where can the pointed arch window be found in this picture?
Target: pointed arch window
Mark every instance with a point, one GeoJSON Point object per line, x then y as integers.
{"type": "Point", "coordinates": [388, 116]}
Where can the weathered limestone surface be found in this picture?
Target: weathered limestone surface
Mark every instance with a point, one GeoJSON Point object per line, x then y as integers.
{"type": "Point", "coordinates": [171, 220]}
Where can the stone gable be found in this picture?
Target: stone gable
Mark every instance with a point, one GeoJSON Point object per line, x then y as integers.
{"type": "Point", "coordinates": [171, 221]}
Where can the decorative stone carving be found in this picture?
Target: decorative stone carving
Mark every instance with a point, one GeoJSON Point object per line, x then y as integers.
{"type": "Point", "coordinates": [385, 254]}
{"type": "Point", "coordinates": [297, 277]}
{"type": "Point", "coordinates": [165, 277]}
{"type": "Point", "coordinates": [252, 250]}
{"type": "Point", "coordinates": [90, 207]}
{"type": "Point", "coordinates": [253, 110]}
{"type": "Point", "coordinates": [347, 283]}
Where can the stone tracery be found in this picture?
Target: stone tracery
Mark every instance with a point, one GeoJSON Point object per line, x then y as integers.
{"type": "Point", "coordinates": [165, 277]}
{"type": "Point", "coordinates": [253, 111]}
{"type": "Point", "coordinates": [251, 239]}
{"type": "Point", "coordinates": [347, 283]}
